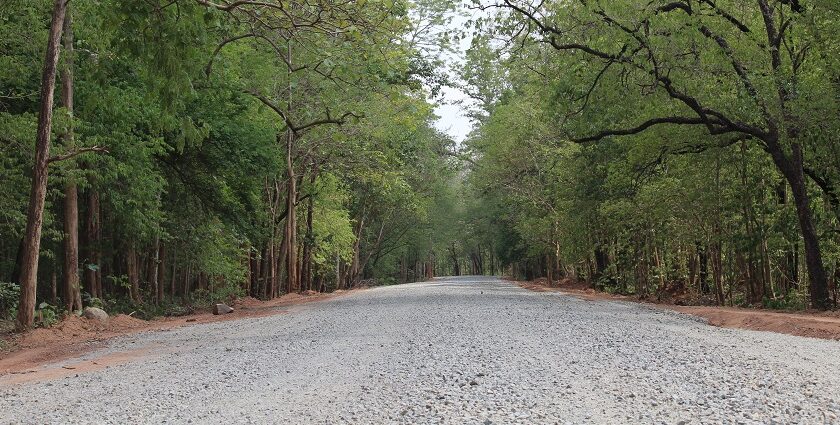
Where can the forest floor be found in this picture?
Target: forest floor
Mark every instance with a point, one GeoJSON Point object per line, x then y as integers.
{"type": "Point", "coordinates": [73, 335]}
{"type": "Point", "coordinates": [814, 324]}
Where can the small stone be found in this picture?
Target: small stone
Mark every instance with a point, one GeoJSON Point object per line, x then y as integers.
{"type": "Point", "coordinates": [222, 309]}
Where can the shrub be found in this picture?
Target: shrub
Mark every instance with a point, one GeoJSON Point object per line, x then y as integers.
{"type": "Point", "coordinates": [9, 298]}
{"type": "Point", "coordinates": [46, 315]}
{"type": "Point", "coordinates": [793, 300]}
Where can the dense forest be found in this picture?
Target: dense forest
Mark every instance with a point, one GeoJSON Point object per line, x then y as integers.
{"type": "Point", "coordinates": [662, 147]}
{"type": "Point", "coordinates": [158, 154]}
{"type": "Point", "coordinates": [183, 152]}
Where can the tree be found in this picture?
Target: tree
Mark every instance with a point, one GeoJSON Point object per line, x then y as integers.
{"type": "Point", "coordinates": [758, 93]}
{"type": "Point", "coordinates": [38, 193]}
{"type": "Point", "coordinates": [72, 291]}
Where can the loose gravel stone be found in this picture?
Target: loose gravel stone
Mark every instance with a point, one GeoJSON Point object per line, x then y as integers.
{"type": "Point", "coordinates": [450, 351]}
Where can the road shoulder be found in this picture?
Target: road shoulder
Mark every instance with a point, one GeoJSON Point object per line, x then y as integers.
{"type": "Point", "coordinates": [813, 324]}
{"type": "Point", "coordinates": [74, 336]}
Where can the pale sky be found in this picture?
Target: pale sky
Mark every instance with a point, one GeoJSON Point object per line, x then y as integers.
{"type": "Point", "coordinates": [452, 119]}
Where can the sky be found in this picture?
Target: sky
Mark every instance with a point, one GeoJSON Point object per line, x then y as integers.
{"type": "Point", "coordinates": [453, 120]}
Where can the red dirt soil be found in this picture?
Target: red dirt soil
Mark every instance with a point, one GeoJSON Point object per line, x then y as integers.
{"type": "Point", "coordinates": [74, 335]}
{"type": "Point", "coordinates": [814, 324]}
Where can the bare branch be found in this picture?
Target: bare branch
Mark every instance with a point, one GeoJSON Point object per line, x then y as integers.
{"type": "Point", "coordinates": [299, 129]}
{"type": "Point", "coordinates": [76, 152]}
{"type": "Point", "coordinates": [328, 120]}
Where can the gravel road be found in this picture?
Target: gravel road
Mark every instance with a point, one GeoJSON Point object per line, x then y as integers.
{"type": "Point", "coordinates": [457, 350]}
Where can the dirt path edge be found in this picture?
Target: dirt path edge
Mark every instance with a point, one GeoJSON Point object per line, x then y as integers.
{"type": "Point", "coordinates": [75, 336]}
{"type": "Point", "coordinates": [813, 324]}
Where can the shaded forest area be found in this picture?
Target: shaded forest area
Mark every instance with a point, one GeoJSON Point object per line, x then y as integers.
{"type": "Point", "coordinates": [657, 148]}
{"type": "Point", "coordinates": [159, 154]}
{"type": "Point", "coordinates": [163, 154]}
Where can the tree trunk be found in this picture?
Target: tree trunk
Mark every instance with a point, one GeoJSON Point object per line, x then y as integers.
{"type": "Point", "coordinates": [161, 272]}
{"type": "Point", "coordinates": [152, 272]}
{"type": "Point", "coordinates": [38, 192]}
{"type": "Point", "coordinates": [692, 265]}
{"type": "Point", "coordinates": [766, 274]}
{"type": "Point", "coordinates": [430, 267]}
{"type": "Point", "coordinates": [93, 234]}
{"type": "Point", "coordinates": [133, 272]}
{"type": "Point", "coordinates": [492, 262]}
{"type": "Point", "coordinates": [793, 256]}
{"type": "Point", "coordinates": [338, 284]}
{"type": "Point", "coordinates": [456, 266]}
{"type": "Point", "coordinates": [245, 285]}
{"type": "Point", "coordinates": [270, 270]}
{"type": "Point", "coordinates": [185, 285]}
{"type": "Point", "coordinates": [306, 273]}
{"type": "Point", "coordinates": [280, 264]}
{"type": "Point", "coordinates": [601, 264]}
{"type": "Point", "coordinates": [813, 256]}
{"type": "Point", "coordinates": [265, 261]}
{"type": "Point", "coordinates": [549, 270]}
{"type": "Point", "coordinates": [717, 271]}
{"type": "Point", "coordinates": [291, 221]}
{"type": "Point", "coordinates": [291, 218]}
{"type": "Point", "coordinates": [173, 277]}
{"type": "Point", "coordinates": [255, 273]}
{"type": "Point", "coordinates": [660, 270]}
{"type": "Point", "coordinates": [642, 267]}
{"type": "Point", "coordinates": [704, 269]}
{"type": "Point", "coordinates": [72, 292]}
{"type": "Point", "coordinates": [791, 168]}
{"type": "Point", "coordinates": [53, 288]}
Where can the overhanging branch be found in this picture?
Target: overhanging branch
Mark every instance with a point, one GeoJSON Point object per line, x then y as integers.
{"type": "Point", "coordinates": [76, 152]}
{"type": "Point", "coordinates": [641, 127]}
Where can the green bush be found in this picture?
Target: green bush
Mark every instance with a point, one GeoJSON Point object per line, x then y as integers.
{"type": "Point", "coordinates": [46, 315]}
{"type": "Point", "coordinates": [9, 298]}
{"type": "Point", "coordinates": [92, 301]}
{"type": "Point", "coordinates": [793, 300]}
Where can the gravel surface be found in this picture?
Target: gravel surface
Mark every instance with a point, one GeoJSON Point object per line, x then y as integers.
{"type": "Point", "coordinates": [458, 350]}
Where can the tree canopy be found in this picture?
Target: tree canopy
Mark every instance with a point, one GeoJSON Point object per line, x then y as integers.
{"type": "Point", "coordinates": [666, 146]}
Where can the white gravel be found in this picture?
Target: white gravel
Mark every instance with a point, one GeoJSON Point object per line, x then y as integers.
{"type": "Point", "coordinates": [459, 350]}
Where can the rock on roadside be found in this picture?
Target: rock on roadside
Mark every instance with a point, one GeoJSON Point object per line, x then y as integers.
{"type": "Point", "coordinates": [94, 313]}
{"type": "Point", "coordinates": [222, 309]}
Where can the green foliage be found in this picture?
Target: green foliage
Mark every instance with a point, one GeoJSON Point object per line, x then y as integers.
{"type": "Point", "coordinates": [46, 315]}
{"type": "Point", "coordinates": [792, 300]}
{"type": "Point", "coordinates": [9, 297]}
{"type": "Point", "coordinates": [222, 292]}
{"type": "Point", "coordinates": [643, 210]}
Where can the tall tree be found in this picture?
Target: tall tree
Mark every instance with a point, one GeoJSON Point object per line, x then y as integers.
{"type": "Point", "coordinates": [72, 291]}
{"type": "Point", "coordinates": [38, 192]}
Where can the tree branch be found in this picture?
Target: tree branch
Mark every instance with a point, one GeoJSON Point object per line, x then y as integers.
{"type": "Point", "coordinates": [328, 120]}
{"type": "Point", "coordinates": [642, 127]}
{"type": "Point", "coordinates": [298, 129]}
{"type": "Point", "coordinates": [76, 152]}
